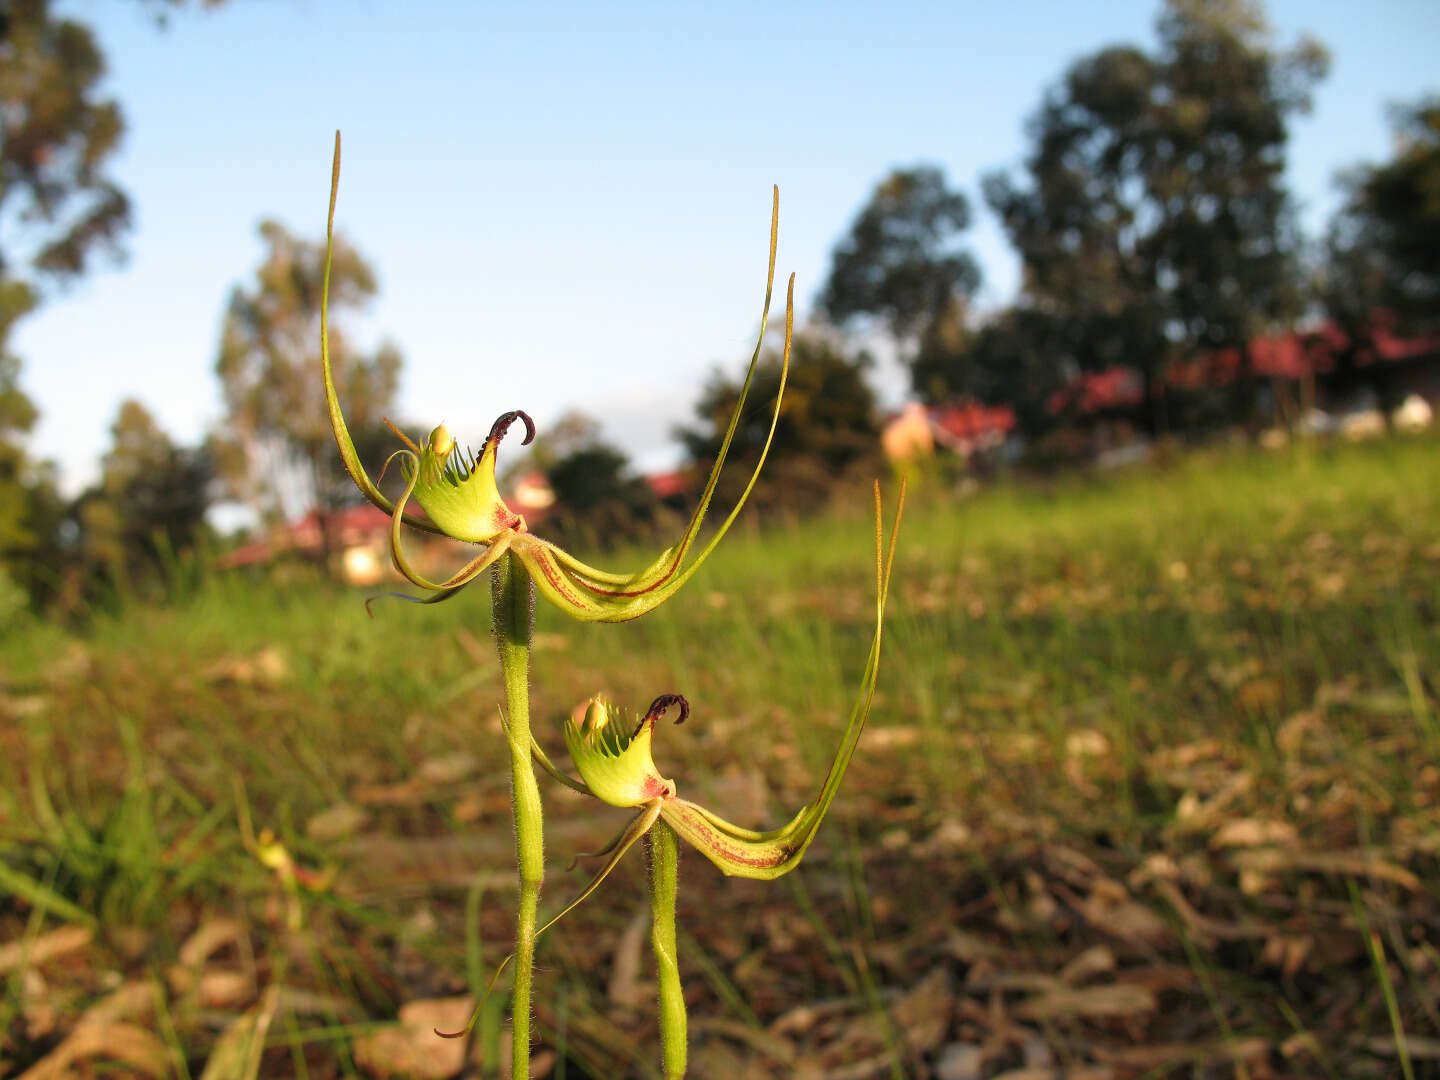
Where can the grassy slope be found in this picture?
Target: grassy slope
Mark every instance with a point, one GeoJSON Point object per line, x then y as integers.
{"type": "Point", "coordinates": [1180, 721]}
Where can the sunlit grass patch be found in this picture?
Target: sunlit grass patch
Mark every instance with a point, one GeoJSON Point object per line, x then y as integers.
{"type": "Point", "coordinates": [1146, 746]}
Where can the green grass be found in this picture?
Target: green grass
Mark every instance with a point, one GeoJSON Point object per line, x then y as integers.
{"type": "Point", "coordinates": [1183, 716]}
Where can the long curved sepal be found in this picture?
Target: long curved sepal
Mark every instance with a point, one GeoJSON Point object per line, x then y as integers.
{"type": "Point", "coordinates": [592, 595]}
{"type": "Point", "coordinates": [670, 558]}
{"type": "Point", "coordinates": [348, 454]}
{"type": "Point", "coordinates": [745, 853]}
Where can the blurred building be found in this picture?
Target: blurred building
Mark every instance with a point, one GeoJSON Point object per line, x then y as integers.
{"type": "Point", "coordinates": [964, 428]}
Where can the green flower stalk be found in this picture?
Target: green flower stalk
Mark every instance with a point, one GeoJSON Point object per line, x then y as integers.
{"type": "Point", "coordinates": [456, 489]}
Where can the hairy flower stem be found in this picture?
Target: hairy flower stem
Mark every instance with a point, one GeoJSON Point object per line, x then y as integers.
{"type": "Point", "coordinates": [513, 598]}
{"type": "Point", "coordinates": [664, 858]}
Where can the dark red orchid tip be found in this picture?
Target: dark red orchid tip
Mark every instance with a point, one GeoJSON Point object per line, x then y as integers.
{"type": "Point", "coordinates": [502, 425]}
{"type": "Point", "coordinates": [658, 707]}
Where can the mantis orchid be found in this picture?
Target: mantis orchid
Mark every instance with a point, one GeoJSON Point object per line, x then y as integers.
{"type": "Point", "coordinates": [616, 766]}
{"type": "Point", "coordinates": [458, 493]}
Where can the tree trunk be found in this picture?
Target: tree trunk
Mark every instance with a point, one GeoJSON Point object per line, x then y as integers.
{"type": "Point", "coordinates": [1153, 388]}
{"type": "Point", "coordinates": [1247, 393]}
{"type": "Point", "coordinates": [322, 513]}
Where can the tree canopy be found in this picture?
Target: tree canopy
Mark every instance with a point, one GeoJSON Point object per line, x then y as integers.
{"type": "Point", "coordinates": [1155, 221]}
{"type": "Point", "coordinates": [150, 502]}
{"type": "Point", "coordinates": [57, 135]}
{"type": "Point", "coordinates": [1384, 246]}
{"type": "Point", "coordinates": [899, 262]}
{"type": "Point", "coordinates": [827, 422]}
{"type": "Point", "coordinates": [58, 207]}
{"type": "Point", "coordinates": [277, 450]}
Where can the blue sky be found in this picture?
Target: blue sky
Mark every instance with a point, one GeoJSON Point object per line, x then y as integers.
{"type": "Point", "coordinates": [568, 203]}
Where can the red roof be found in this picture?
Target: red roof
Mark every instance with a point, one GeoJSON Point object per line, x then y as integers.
{"type": "Point", "coordinates": [1300, 353]}
{"type": "Point", "coordinates": [1093, 391]}
{"type": "Point", "coordinates": [1285, 356]}
{"type": "Point", "coordinates": [349, 526]}
{"type": "Point", "coordinates": [667, 485]}
{"type": "Point", "coordinates": [971, 420]}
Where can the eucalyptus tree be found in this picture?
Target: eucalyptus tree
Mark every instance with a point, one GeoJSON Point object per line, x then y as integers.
{"type": "Point", "coordinates": [1155, 221]}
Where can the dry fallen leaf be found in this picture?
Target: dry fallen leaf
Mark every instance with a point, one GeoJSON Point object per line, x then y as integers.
{"type": "Point", "coordinates": [1168, 1057]}
{"type": "Point", "coordinates": [411, 1048]}
{"type": "Point", "coordinates": [875, 739]}
{"type": "Point", "coordinates": [1417, 1046]}
{"type": "Point", "coordinates": [923, 1014]}
{"type": "Point", "coordinates": [1094, 961]}
{"type": "Point", "coordinates": [449, 769]}
{"type": "Point", "coordinates": [961, 1061]}
{"type": "Point", "coordinates": [1259, 694]}
{"type": "Point", "coordinates": [336, 821]}
{"type": "Point", "coordinates": [224, 989]}
{"type": "Point", "coordinates": [105, 1030]}
{"type": "Point", "coordinates": [1127, 920]}
{"type": "Point", "coordinates": [1087, 743]}
{"type": "Point", "coordinates": [1116, 1001]}
{"type": "Point", "coordinates": [625, 989]}
{"type": "Point", "coordinates": [1287, 952]}
{"type": "Point", "coordinates": [1352, 863]}
{"type": "Point", "coordinates": [236, 1054]}
{"type": "Point", "coordinates": [1253, 832]}
{"type": "Point", "coordinates": [950, 836]}
{"type": "Point", "coordinates": [115, 1041]}
{"type": "Point", "coordinates": [266, 668]}
{"type": "Point", "coordinates": [1291, 734]}
{"type": "Point", "coordinates": [39, 950]}
{"type": "Point", "coordinates": [210, 937]}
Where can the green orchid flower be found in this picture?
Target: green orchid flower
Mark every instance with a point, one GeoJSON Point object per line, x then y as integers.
{"type": "Point", "coordinates": [612, 753]}
{"type": "Point", "coordinates": [457, 491]}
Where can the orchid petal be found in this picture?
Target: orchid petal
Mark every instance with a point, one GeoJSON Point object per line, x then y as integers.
{"type": "Point", "coordinates": [348, 454]}
{"type": "Point", "coordinates": [543, 760]}
{"type": "Point", "coordinates": [457, 489]}
{"type": "Point", "coordinates": [615, 763]}
{"type": "Point", "coordinates": [738, 833]}
{"type": "Point", "coordinates": [618, 598]}
{"type": "Point", "coordinates": [745, 853]}
{"type": "Point", "coordinates": [614, 842]}
{"type": "Point", "coordinates": [639, 825]}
